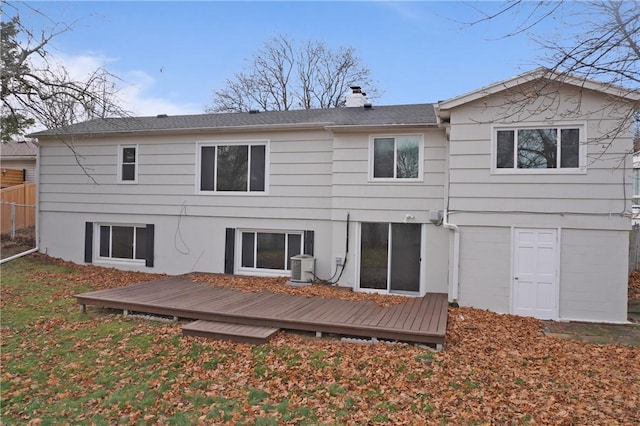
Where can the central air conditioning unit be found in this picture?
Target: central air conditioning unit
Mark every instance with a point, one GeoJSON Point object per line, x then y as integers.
{"type": "Point", "coordinates": [302, 268]}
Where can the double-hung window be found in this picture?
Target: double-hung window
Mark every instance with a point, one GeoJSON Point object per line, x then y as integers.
{"type": "Point", "coordinates": [398, 158]}
{"type": "Point", "coordinates": [554, 149]}
{"type": "Point", "coordinates": [269, 250]}
{"type": "Point", "coordinates": [128, 163]}
{"type": "Point", "coordinates": [233, 167]}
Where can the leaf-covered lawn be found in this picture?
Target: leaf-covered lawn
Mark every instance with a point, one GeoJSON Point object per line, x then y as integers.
{"type": "Point", "coordinates": [60, 366]}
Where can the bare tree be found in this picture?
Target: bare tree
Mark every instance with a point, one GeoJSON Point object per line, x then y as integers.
{"type": "Point", "coordinates": [596, 40]}
{"type": "Point", "coordinates": [283, 76]}
{"type": "Point", "coordinates": [35, 88]}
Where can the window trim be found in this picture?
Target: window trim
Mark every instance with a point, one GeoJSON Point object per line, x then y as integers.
{"type": "Point", "coordinates": [121, 163]}
{"type": "Point", "coordinates": [582, 148]}
{"type": "Point", "coordinates": [635, 185]}
{"type": "Point", "coordinates": [243, 270]}
{"type": "Point", "coordinates": [116, 260]}
{"type": "Point", "coordinates": [421, 160]}
{"type": "Point", "coordinates": [250, 142]}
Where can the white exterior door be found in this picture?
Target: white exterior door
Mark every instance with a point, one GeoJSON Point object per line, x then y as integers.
{"type": "Point", "coordinates": [535, 267]}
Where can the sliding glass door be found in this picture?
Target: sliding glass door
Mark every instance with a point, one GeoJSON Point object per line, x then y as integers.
{"type": "Point", "coordinates": [390, 257]}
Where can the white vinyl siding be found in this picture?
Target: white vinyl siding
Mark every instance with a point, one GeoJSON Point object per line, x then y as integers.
{"type": "Point", "coordinates": [479, 194]}
{"type": "Point", "coordinates": [299, 178]}
{"type": "Point", "coordinates": [386, 200]}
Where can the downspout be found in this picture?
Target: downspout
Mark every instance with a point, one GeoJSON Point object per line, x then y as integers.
{"type": "Point", "coordinates": [37, 214]}
{"type": "Point", "coordinates": [455, 267]}
{"type": "Point", "coordinates": [456, 256]}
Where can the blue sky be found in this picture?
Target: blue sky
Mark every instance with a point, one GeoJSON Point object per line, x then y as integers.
{"type": "Point", "coordinates": [171, 55]}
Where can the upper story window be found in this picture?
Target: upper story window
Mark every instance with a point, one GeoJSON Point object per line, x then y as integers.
{"type": "Point", "coordinates": [396, 158]}
{"type": "Point", "coordinates": [128, 163]}
{"type": "Point", "coordinates": [539, 150]}
{"type": "Point", "coordinates": [233, 167]}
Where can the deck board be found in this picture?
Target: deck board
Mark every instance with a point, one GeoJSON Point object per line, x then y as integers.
{"type": "Point", "coordinates": [227, 331]}
{"type": "Point", "coordinates": [420, 319]}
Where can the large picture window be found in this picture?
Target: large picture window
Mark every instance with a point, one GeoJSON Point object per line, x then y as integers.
{"type": "Point", "coordinates": [541, 148]}
{"type": "Point", "coordinates": [233, 167]}
{"type": "Point", "coordinates": [123, 242]}
{"type": "Point", "coordinates": [396, 157]}
{"type": "Point", "coordinates": [269, 250]}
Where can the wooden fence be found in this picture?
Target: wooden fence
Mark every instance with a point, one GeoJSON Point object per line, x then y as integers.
{"type": "Point", "coordinates": [10, 177]}
{"type": "Point", "coordinates": [18, 207]}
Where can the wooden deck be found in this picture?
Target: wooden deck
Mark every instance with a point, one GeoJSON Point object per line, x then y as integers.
{"type": "Point", "coordinates": [421, 319]}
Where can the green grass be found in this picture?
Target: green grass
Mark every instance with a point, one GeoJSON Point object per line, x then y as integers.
{"type": "Point", "coordinates": [61, 366]}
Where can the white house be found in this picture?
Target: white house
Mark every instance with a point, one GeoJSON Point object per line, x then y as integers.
{"type": "Point", "coordinates": [513, 198]}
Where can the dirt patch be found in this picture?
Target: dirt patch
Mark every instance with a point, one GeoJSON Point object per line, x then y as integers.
{"type": "Point", "coordinates": [24, 240]}
{"type": "Point", "coordinates": [625, 334]}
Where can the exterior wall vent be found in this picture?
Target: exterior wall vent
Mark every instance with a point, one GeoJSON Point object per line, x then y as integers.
{"type": "Point", "coordinates": [302, 268]}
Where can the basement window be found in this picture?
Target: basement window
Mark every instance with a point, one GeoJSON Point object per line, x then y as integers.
{"type": "Point", "coordinates": [269, 251]}
{"type": "Point", "coordinates": [123, 242]}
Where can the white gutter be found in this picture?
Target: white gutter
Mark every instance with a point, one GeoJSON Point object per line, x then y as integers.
{"type": "Point", "coordinates": [37, 213]}
{"type": "Point", "coordinates": [455, 272]}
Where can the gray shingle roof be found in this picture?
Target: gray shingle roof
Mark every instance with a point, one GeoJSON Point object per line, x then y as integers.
{"type": "Point", "coordinates": [417, 114]}
{"type": "Point", "coordinates": [21, 148]}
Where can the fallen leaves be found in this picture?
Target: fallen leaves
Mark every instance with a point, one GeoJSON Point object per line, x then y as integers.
{"type": "Point", "coordinates": [278, 285]}
{"type": "Point", "coordinates": [634, 285]}
{"type": "Point", "coordinates": [106, 369]}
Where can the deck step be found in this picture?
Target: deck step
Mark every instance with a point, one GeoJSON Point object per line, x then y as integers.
{"type": "Point", "coordinates": [227, 331]}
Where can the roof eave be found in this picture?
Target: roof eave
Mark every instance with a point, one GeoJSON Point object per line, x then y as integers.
{"type": "Point", "coordinates": [376, 127]}
{"type": "Point", "coordinates": [500, 86]}
{"type": "Point", "coordinates": [18, 157]}
{"type": "Point", "coordinates": [189, 130]}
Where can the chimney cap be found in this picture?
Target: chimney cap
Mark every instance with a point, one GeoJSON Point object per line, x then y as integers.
{"type": "Point", "coordinates": [161, 116]}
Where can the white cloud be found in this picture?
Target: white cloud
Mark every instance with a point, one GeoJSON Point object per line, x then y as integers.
{"type": "Point", "coordinates": [134, 86]}
{"type": "Point", "coordinates": [406, 11]}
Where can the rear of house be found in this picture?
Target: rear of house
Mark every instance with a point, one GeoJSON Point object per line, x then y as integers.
{"type": "Point", "coordinates": [461, 197]}
{"type": "Point", "coordinates": [542, 196]}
